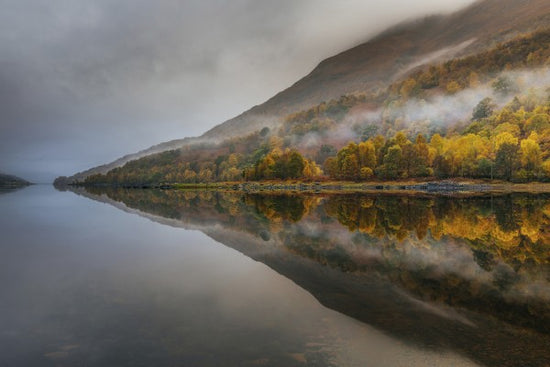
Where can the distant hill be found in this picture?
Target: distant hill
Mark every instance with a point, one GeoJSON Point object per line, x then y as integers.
{"type": "Point", "coordinates": [10, 181]}
{"type": "Point", "coordinates": [374, 65]}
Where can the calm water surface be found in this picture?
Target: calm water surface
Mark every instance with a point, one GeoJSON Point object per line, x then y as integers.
{"type": "Point", "coordinates": [212, 279]}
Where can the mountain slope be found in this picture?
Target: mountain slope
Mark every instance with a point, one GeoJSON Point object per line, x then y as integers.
{"type": "Point", "coordinates": [375, 64]}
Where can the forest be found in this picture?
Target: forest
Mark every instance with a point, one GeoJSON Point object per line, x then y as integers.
{"type": "Point", "coordinates": [378, 136]}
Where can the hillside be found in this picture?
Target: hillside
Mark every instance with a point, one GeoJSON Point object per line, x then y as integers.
{"type": "Point", "coordinates": [10, 181]}
{"type": "Point", "coordinates": [485, 116]}
{"type": "Point", "coordinates": [372, 66]}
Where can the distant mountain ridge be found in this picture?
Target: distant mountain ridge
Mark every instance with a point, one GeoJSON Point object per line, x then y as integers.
{"type": "Point", "coordinates": [373, 65]}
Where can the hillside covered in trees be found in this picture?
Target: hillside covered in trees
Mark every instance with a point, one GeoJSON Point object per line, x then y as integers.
{"type": "Point", "coordinates": [11, 182]}
{"type": "Point", "coordinates": [482, 116]}
{"type": "Point", "coordinates": [390, 57]}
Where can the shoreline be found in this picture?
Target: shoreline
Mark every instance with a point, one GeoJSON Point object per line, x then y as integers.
{"type": "Point", "coordinates": [442, 187]}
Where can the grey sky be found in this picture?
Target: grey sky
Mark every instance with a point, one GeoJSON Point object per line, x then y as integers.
{"type": "Point", "coordinates": [85, 82]}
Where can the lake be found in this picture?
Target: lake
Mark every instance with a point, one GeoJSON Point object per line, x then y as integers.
{"type": "Point", "coordinates": [115, 277]}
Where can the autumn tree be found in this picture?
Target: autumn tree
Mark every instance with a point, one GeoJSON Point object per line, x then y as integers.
{"type": "Point", "coordinates": [531, 160]}
{"type": "Point", "coordinates": [452, 87]}
{"type": "Point", "coordinates": [367, 155]}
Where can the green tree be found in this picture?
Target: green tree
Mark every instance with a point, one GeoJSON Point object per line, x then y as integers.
{"type": "Point", "coordinates": [350, 167]}
{"type": "Point", "coordinates": [506, 159]}
{"type": "Point", "coordinates": [331, 167]}
{"type": "Point", "coordinates": [296, 164]}
{"type": "Point", "coordinates": [483, 109]}
{"type": "Point", "coordinates": [408, 159]}
{"type": "Point", "coordinates": [392, 162]}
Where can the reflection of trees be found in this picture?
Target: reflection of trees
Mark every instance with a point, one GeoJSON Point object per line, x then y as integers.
{"type": "Point", "coordinates": [287, 207]}
{"type": "Point", "coordinates": [254, 213]}
{"type": "Point", "coordinates": [431, 246]}
{"type": "Point", "coordinates": [513, 228]}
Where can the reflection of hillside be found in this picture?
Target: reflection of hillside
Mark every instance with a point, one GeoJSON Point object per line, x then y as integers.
{"type": "Point", "coordinates": [395, 262]}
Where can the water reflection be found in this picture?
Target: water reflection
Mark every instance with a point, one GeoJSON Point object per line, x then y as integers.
{"type": "Point", "coordinates": [464, 274]}
{"type": "Point", "coordinates": [7, 190]}
{"type": "Point", "coordinates": [83, 284]}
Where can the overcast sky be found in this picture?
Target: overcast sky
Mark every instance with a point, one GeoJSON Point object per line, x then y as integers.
{"type": "Point", "coordinates": [85, 82]}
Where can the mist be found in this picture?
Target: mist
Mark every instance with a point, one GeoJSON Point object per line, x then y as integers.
{"type": "Point", "coordinates": [447, 110]}
{"type": "Point", "coordinates": [83, 83]}
{"type": "Point", "coordinates": [440, 112]}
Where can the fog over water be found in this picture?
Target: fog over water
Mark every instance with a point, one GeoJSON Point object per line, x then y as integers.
{"type": "Point", "coordinates": [83, 83]}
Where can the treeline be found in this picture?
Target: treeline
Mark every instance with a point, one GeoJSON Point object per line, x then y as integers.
{"type": "Point", "coordinates": [173, 167]}
{"type": "Point", "coordinates": [512, 143]}
{"type": "Point", "coordinates": [210, 162]}
{"type": "Point", "coordinates": [257, 156]}
{"type": "Point", "coordinates": [277, 164]}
